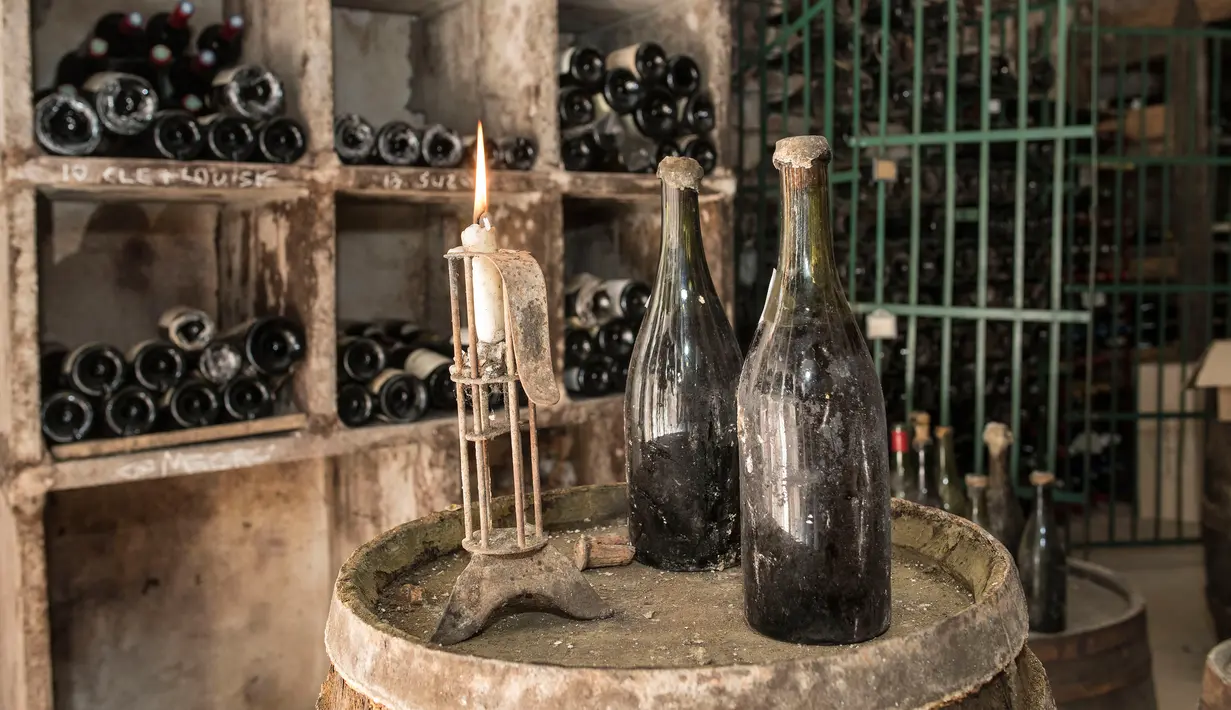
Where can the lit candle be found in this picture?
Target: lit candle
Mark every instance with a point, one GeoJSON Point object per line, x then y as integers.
{"type": "Point", "coordinates": [480, 237]}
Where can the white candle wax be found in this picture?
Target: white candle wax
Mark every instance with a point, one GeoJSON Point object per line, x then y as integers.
{"type": "Point", "coordinates": [488, 286]}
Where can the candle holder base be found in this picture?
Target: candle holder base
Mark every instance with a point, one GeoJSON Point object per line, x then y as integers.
{"type": "Point", "coordinates": [537, 577]}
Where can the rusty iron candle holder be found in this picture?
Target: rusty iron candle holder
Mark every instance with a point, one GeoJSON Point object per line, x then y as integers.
{"type": "Point", "coordinates": [507, 564]}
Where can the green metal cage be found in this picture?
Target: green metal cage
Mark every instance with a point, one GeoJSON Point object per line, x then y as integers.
{"type": "Point", "coordinates": [1011, 183]}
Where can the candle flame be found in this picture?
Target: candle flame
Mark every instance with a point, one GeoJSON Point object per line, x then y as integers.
{"type": "Point", "coordinates": [480, 175]}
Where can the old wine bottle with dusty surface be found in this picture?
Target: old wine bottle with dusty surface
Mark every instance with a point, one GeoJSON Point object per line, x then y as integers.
{"type": "Point", "coordinates": [189, 329]}
{"type": "Point", "coordinates": [157, 365]}
{"type": "Point", "coordinates": [65, 123]}
{"type": "Point", "coordinates": [924, 462]}
{"type": "Point", "coordinates": [354, 139]}
{"type": "Point", "coordinates": [66, 416]}
{"type": "Point", "coordinates": [355, 404]}
{"type": "Point", "coordinates": [171, 28]}
{"type": "Point", "coordinates": [190, 404]}
{"type": "Point", "coordinates": [398, 143]}
{"type": "Point", "coordinates": [1003, 508]}
{"type": "Point", "coordinates": [94, 369]}
{"type": "Point", "coordinates": [976, 486]}
{"type": "Point", "coordinates": [949, 483]}
{"type": "Point", "coordinates": [281, 140]}
{"type": "Point", "coordinates": [901, 484]}
{"type": "Point", "coordinates": [129, 412]}
{"type": "Point", "coordinates": [1041, 561]}
{"type": "Point", "coordinates": [679, 414]}
{"type": "Point", "coordinates": [246, 398]}
{"type": "Point", "coordinates": [398, 397]}
{"type": "Point", "coordinates": [815, 470]}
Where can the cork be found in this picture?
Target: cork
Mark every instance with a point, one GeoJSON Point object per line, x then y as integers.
{"type": "Point", "coordinates": [602, 551]}
{"type": "Point", "coordinates": [801, 151]}
{"type": "Point", "coordinates": [680, 173]}
{"type": "Point", "coordinates": [942, 431]}
{"type": "Point", "coordinates": [1042, 478]}
{"type": "Point", "coordinates": [973, 481]}
{"type": "Point", "coordinates": [997, 437]}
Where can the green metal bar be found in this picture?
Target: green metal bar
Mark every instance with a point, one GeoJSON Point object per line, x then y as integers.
{"type": "Point", "coordinates": [1002, 135]}
{"type": "Point", "coordinates": [788, 29]}
{"type": "Point", "coordinates": [916, 122]}
{"type": "Point", "coordinates": [856, 98]}
{"type": "Point", "coordinates": [946, 328]}
{"type": "Point", "coordinates": [1165, 32]}
{"type": "Point", "coordinates": [1135, 416]}
{"type": "Point", "coordinates": [1019, 233]}
{"type": "Point", "coordinates": [1062, 45]}
{"type": "Point", "coordinates": [844, 176]}
{"type": "Point", "coordinates": [1146, 161]}
{"type": "Point", "coordinates": [807, 46]}
{"type": "Point", "coordinates": [1145, 543]}
{"type": "Point", "coordinates": [1028, 315]}
{"type": "Point", "coordinates": [1168, 146]}
{"type": "Point", "coordinates": [985, 97]}
{"type": "Point", "coordinates": [1118, 241]}
{"type": "Point", "coordinates": [1148, 288]}
{"type": "Point", "coordinates": [881, 187]}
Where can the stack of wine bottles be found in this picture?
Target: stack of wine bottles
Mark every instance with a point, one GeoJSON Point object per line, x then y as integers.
{"type": "Point", "coordinates": [188, 377]}
{"type": "Point", "coordinates": [399, 143]}
{"type": "Point", "coordinates": [140, 88]}
{"type": "Point", "coordinates": [395, 372]}
{"type": "Point", "coordinates": [925, 471]}
{"type": "Point", "coordinates": [603, 317]}
{"type": "Point", "coordinates": [629, 110]}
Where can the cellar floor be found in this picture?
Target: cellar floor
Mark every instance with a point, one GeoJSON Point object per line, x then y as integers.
{"type": "Point", "coordinates": [1172, 581]}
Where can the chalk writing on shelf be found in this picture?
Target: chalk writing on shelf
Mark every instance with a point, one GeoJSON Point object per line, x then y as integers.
{"type": "Point", "coordinates": [426, 180]}
{"type": "Point", "coordinates": [198, 175]}
{"type": "Point", "coordinates": [183, 463]}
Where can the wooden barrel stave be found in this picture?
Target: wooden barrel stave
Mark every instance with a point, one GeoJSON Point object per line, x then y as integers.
{"type": "Point", "coordinates": [1105, 665]}
{"type": "Point", "coordinates": [1216, 682]}
{"type": "Point", "coordinates": [986, 663]}
{"type": "Point", "coordinates": [1216, 526]}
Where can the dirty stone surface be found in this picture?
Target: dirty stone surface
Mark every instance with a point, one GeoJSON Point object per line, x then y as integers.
{"type": "Point", "coordinates": [662, 619]}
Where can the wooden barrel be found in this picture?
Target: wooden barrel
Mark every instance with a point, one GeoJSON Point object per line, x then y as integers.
{"type": "Point", "coordinates": [957, 639]}
{"type": "Point", "coordinates": [1102, 659]}
{"type": "Point", "coordinates": [1216, 683]}
{"type": "Point", "coordinates": [1216, 528]}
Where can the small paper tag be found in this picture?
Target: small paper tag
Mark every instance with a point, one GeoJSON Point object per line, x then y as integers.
{"type": "Point", "coordinates": [882, 325]}
{"type": "Point", "coordinates": [884, 170]}
{"type": "Point", "coordinates": [1093, 300]}
{"type": "Point", "coordinates": [993, 107]}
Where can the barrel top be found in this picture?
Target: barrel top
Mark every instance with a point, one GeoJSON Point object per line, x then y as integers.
{"type": "Point", "coordinates": [1098, 600]}
{"type": "Point", "coordinates": [673, 635]}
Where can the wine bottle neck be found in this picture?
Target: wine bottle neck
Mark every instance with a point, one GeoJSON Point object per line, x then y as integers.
{"type": "Point", "coordinates": [682, 264]}
{"type": "Point", "coordinates": [805, 263]}
{"type": "Point", "coordinates": [1042, 501]}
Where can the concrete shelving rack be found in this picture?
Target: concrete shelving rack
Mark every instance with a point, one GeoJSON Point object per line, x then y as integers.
{"type": "Point", "coordinates": [193, 569]}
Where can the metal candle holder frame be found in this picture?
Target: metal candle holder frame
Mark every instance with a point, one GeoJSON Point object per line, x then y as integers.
{"type": "Point", "coordinates": [505, 566]}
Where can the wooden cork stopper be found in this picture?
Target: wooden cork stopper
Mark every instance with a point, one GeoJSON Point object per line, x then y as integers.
{"type": "Point", "coordinates": [943, 431]}
{"type": "Point", "coordinates": [801, 152]}
{"type": "Point", "coordinates": [680, 173]}
{"type": "Point", "coordinates": [997, 437]}
{"type": "Point", "coordinates": [973, 481]}
{"type": "Point", "coordinates": [602, 551]}
{"type": "Point", "coordinates": [923, 426]}
{"type": "Point", "coordinates": [1042, 478]}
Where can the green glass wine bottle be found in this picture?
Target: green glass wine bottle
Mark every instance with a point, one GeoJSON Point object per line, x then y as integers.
{"type": "Point", "coordinates": [1042, 562]}
{"type": "Point", "coordinates": [952, 492]}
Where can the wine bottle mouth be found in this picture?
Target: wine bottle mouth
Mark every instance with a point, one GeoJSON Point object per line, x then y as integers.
{"type": "Point", "coordinates": [56, 109]}
{"type": "Point", "coordinates": [282, 141]}
{"type": "Point", "coordinates": [76, 415]}
{"type": "Point", "coordinates": [178, 136]}
{"type": "Point", "coordinates": [254, 93]}
{"type": "Point", "coordinates": [138, 412]}
{"type": "Point", "coordinates": [126, 106]}
{"type": "Point", "coordinates": [398, 144]}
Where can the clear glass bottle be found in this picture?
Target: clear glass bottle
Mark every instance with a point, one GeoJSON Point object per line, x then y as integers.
{"type": "Point", "coordinates": [924, 462]}
{"type": "Point", "coordinates": [952, 492]}
{"type": "Point", "coordinates": [1042, 562]}
{"type": "Point", "coordinates": [900, 484]}
{"type": "Point", "coordinates": [1003, 508]}
{"type": "Point", "coordinates": [976, 486]}
{"type": "Point", "coordinates": [679, 412]}
{"type": "Point", "coordinates": [815, 470]}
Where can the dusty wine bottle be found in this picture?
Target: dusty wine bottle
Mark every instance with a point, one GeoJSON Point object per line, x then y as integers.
{"type": "Point", "coordinates": [156, 64]}
{"type": "Point", "coordinates": [398, 330]}
{"type": "Point", "coordinates": [1003, 508]}
{"type": "Point", "coordinates": [816, 558]}
{"type": "Point", "coordinates": [491, 155]}
{"type": "Point", "coordinates": [157, 365]}
{"type": "Point", "coordinates": [398, 143]}
{"type": "Point", "coordinates": [976, 486]}
{"type": "Point", "coordinates": [354, 139]}
{"type": "Point", "coordinates": [682, 462]}
{"type": "Point", "coordinates": [582, 66]}
{"type": "Point", "coordinates": [248, 91]}
{"type": "Point", "coordinates": [224, 40]}
{"type": "Point", "coordinates": [400, 397]}
{"type": "Point", "coordinates": [697, 114]}
{"type": "Point", "coordinates": [129, 412]}
{"type": "Point", "coordinates": [51, 367]}
{"type": "Point", "coordinates": [271, 345]}
{"type": "Point", "coordinates": [65, 124]}
{"type": "Point", "coordinates": [702, 150]}
{"type": "Point", "coordinates": [190, 404]}
{"type": "Point", "coordinates": [82, 63]}
{"type": "Point", "coordinates": [585, 299]}
{"type": "Point", "coordinates": [66, 416]}
{"type": "Point", "coordinates": [624, 298]}
{"type": "Point", "coordinates": [281, 140]}
{"type": "Point", "coordinates": [647, 60]}
{"type": "Point", "coordinates": [517, 153]}
{"type": "Point", "coordinates": [123, 33]}
{"type": "Point", "coordinates": [442, 147]}
{"type": "Point", "coordinates": [590, 377]}
{"type": "Point", "coordinates": [355, 405]}
{"type": "Point", "coordinates": [924, 461]}
{"type": "Point", "coordinates": [218, 362]}
{"type": "Point", "coordinates": [621, 93]}
{"type": "Point", "coordinates": [581, 153]}
{"type": "Point", "coordinates": [578, 346]}
{"type": "Point", "coordinates": [1042, 562]}
{"type": "Point", "coordinates": [618, 376]}
{"type": "Point", "coordinates": [94, 369]}
{"type": "Point", "coordinates": [187, 76]}
{"type": "Point", "coordinates": [173, 135]}
{"type": "Point", "coordinates": [359, 359]}
{"type": "Point", "coordinates": [125, 103]}
{"type": "Point", "coordinates": [655, 117]}
{"type": "Point", "coordinates": [575, 108]}
{"type": "Point", "coordinates": [901, 484]}
{"type": "Point", "coordinates": [433, 369]}
{"type": "Point", "coordinates": [189, 329]}
{"type": "Point", "coordinates": [171, 28]}
{"type": "Point", "coordinates": [227, 138]}
{"type": "Point", "coordinates": [616, 337]}
{"type": "Point", "coordinates": [950, 489]}
{"type": "Point", "coordinates": [246, 398]}
{"type": "Point", "coordinates": [682, 76]}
